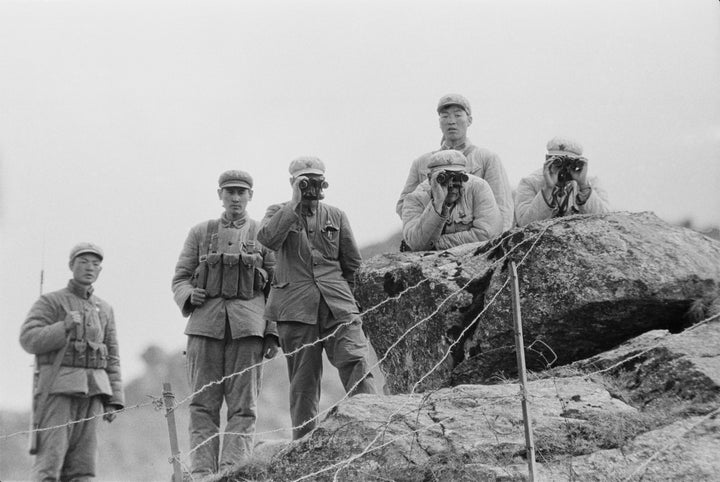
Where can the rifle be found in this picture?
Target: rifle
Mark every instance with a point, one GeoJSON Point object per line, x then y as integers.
{"type": "Point", "coordinates": [39, 403]}
{"type": "Point", "coordinates": [34, 421]}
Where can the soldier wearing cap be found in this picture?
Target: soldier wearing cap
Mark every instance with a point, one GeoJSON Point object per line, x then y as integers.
{"type": "Point", "coordinates": [455, 118]}
{"type": "Point", "coordinates": [72, 334]}
{"type": "Point", "coordinates": [562, 187]}
{"type": "Point", "coordinates": [450, 208]}
{"type": "Point", "coordinates": [312, 294]}
{"type": "Point", "coordinates": [220, 282]}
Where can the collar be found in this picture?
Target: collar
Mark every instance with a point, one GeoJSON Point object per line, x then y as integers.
{"type": "Point", "coordinates": [444, 146]}
{"type": "Point", "coordinates": [232, 223]}
{"type": "Point", "coordinates": [83, 291]}
{"type": "Point", "coordinates": [308, 209]}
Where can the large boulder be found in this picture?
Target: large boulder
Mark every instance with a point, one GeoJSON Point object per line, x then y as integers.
{"type": "Point", "coordinates": [587, 284]}
{"type": "Point", "coordinates": [596, 420]}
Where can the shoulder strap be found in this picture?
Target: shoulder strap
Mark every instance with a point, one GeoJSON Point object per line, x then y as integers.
{"type": "Point", "coordinates": [211, 236]}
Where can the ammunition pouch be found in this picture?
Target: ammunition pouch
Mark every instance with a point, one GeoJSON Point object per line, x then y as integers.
{"type": "Point", "coordinates": [80, 354]}
{"type": "Point", "coordinates": [230, 275]}
{"type": "Point", "coordinates": [234, 276]}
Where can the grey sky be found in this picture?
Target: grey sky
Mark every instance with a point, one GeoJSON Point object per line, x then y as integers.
{"type": "Point", "coordinates": [116, 119]}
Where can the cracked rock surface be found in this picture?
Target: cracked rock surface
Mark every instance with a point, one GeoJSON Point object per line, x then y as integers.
{"type": "Point", "coordinates": [587, 284]}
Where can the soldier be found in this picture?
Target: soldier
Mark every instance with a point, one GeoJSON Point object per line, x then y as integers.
{"type": "Point", "coordinates": [562, 187]}
{"type": "Point", "coordinates": [72, 334]}
{"type": "Point", "coordinates": [311, 295]}
{"type": "Point", "coordinates": [220, 280]}
{"type": "Point", "coordinates": [455, 118]}
{"type": "Point", "coordinates": [451, 208]}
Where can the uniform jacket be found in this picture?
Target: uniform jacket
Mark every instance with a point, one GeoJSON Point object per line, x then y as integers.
{"type": "Point", "coordinates": [475, 217]}
{"type": "Point", "coordinates": [530, 205]}
{"type": "Point", "coordinates": [245, 316]}
{"type": "Point", "coordinates": [43, 334]}
{"type": "Point", "coordinates": [484, 164]}
{"type": "Point", "coordinates": [316, 256]}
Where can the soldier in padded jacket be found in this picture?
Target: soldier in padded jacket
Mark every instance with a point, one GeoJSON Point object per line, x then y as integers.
{"type": "Point", "coordinates": [450, 208]}
{"type": "Point", "coordinates": [72, 334]}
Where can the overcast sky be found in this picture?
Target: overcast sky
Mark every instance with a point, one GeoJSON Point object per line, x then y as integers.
{"type": "Point", "coordinates": [116, 119]}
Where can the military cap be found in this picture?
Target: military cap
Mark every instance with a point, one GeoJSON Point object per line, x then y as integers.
{"type": "Point", "coordinates": [564, 146]}
{"type": "Point", "coordinates": [235, 178]}
{"type": "Point", "coordinates": [454, 99]}
{"type": "Point", "coordinates": [85, 248]}
{"type": "Point", "coordinates": [448, 160]}
{"type": "Point", "coordinates": [306, 165]}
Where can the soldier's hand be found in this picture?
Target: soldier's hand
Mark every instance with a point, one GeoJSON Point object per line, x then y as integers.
{"type": "Point", "coordinates": [270, 346]}
{"type": "Point", "coordinates": [72, 319]}
{"type": "Point", "coordinates": [580, 175]}
{"type": "Point", "coordinates": [438, 191]}
{"type": "Point", "coordinates": [550, 174]}
{"type": "Point", "coordinates": [297, 192]}
{"type": "Point", "coordinates": [197, 297]}
{"type": "Point", "coordinates": [110, 413]}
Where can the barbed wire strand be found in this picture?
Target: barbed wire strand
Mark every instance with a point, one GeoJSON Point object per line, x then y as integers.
{"type": "Point", "coordinates": [331, 407]}
{"type": "Point", "coordinates": [73, 422]}
{"type": "Point", "coordinates": [348, 461]}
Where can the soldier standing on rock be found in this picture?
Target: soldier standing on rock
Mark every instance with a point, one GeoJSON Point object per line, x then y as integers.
{"type": "Point", "coordinates": [72, 333]}
{"type": "Point", "coordinates": [311, 296]}
{"type": "Point", "coordinates": [219, 282]}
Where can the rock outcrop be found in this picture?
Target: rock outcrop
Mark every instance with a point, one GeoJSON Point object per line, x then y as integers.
{"type": "Point", "coordinates": [587, 284]}
{"type": "Point", "coordinates": [601, 419]}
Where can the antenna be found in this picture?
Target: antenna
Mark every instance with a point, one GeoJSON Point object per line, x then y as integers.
{"type": "Point", "coordinates": [42, 264]}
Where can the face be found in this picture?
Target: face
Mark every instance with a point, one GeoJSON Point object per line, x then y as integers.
{"type": "Point", "coordinates": [454, 122]}
{"type": "Point", "coordinates": [86, 268]}
{"type": "Point", "coordinates": [234, 200]}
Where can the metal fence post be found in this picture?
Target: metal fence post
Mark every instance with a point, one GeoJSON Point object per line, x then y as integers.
{"type": "Point", "coordinates": [520, 352]}
{"type": "Point", "coordinates": [169, 400]}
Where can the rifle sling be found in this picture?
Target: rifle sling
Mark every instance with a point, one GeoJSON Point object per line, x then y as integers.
{"type": "Point", "coordinates": [54, 370]}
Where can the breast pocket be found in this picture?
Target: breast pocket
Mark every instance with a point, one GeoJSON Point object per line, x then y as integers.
{"type": "Point", "coordinates": [330, 237]}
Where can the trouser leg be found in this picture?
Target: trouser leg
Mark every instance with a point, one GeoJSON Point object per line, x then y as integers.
{"type": "Point", "coordinates": [241, 394]}
{"type": "Point", "coordinates": [347, 350]}
{"type": "Point", "coordinates": [80, 459]}
{"type": "Point", "coordinates": [305, 373]}
{"type": "Point", "coordinates": [205, 364]}
{"type": "Point", "coordinates": [53, 444]}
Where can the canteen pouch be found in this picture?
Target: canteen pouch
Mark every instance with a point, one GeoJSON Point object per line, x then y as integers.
{"type": "Point", "coordinates": [96, 355]}
{"type": "Point", "coordinates": [199, 279]}
{"type": "Point", "coordinates": [213, 285]}
{"type": "Point", "coordinates": [230, 275]}
{"type": "Point", "coordinates": [246, 272]}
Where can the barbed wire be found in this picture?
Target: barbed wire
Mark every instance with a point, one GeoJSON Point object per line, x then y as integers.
{"type": "Point", "coordinates": [320, 340]}
{"type": "Point", "coordinates": [73, 422]}
{"type": "Point", "coordinates": [348, 461]}
{"type": "Point", "coordinates": [371, 446]}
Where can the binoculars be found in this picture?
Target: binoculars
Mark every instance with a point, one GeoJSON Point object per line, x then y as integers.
{"type": "Point", "coordinates": [565, 165]}
{"type": "Point", "coordinates": [451, 177]}
{"type": "Point", "coordinates": [316, 182]}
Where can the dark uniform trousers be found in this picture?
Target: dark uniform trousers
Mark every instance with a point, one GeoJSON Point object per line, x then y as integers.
{"type": "Point", "coordinates": [68, 453]}
{"type": "Point", "coordinates": [347, 350]}
{"type": "Point", "coordinates": [209, 360]}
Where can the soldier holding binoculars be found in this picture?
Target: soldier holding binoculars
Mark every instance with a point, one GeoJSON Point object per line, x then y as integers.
{"type": "Point", "coordinates": [450, 208]}
{"type": "Point", "coordinates": [561, 188]}
{"type": "Point", "coordinates": [311, 297]}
